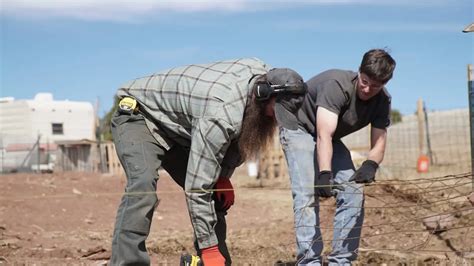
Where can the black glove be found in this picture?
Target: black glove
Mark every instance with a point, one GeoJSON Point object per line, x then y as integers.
{"type": "Point", "coordinates": [365, 173]}
{"type": "Point", "coordinates": [326, 186]}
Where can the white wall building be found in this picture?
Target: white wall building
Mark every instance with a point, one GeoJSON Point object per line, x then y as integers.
{"type": "Point", "coordinates": [23, 121]}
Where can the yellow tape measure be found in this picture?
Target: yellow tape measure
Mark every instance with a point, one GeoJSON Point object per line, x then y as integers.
{"type": "Point", "coordinates": [128, 105]}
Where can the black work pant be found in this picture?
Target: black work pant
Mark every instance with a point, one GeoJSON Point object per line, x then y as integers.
{"type": "Point", "coordinates": [142, 156]}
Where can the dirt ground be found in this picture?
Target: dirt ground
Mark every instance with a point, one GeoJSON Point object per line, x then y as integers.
{"type": "Point", "coordinates": [67, 219]}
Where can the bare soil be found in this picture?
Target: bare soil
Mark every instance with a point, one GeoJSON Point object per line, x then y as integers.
{"type": "Point", "coordinates": [68, 218]}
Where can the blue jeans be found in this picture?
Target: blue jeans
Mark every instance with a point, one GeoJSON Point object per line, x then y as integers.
{"type": "Point", "coordinates": [300, 151]}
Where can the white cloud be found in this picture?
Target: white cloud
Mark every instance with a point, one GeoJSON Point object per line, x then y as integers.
{"type": "Point", "coordinates": [133, 6]}
{"type": "Point", "coordinates": [386, 26]}
{"type": "Point", "coordinates": [135, 10]}
{"type": "Point", "coordinates": [114, 10]}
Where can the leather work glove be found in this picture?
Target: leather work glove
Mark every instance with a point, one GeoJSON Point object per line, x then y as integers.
{"type": "Point", "coordinates": [326, 186]}
{"type": "Point", "coordinates": [211, 256]}
{"type": "Point", "coordinates": [224, 193]}
{"type": "Point", "coordinates": [365, 173]}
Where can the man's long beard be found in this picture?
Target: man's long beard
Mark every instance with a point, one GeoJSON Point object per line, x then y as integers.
{"type": "Point", "coordinates": [257, 130]}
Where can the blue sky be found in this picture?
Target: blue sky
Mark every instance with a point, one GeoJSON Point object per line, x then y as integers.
{"type": "Point", "coordinates": [83, 50]}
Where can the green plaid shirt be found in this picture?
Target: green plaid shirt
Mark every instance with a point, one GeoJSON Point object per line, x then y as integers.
{"type": "Point", "coordinates": [200, 107]}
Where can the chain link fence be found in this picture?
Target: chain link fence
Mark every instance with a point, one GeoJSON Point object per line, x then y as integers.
{"type": "Point", "coordinates": [442, 137]}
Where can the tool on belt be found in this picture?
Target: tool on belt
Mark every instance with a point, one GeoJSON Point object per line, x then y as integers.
{"type": "Point", "coordinates": [190, 260]}
{"type": "Point", "coordinates": [128, 105]}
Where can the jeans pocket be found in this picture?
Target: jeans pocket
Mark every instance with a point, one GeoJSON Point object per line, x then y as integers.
{"type": "Point", "coordinates": [118, 119]}
{"type": "Point", "coordinates": [283, 137]}
{"type": "Point", "coordinates": [288, 136]}
{"type": "Point", "coordinates": [133, 156]}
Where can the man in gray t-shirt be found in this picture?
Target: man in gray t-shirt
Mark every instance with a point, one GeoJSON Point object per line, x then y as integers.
{"type": "Point", "coordinates": [338, 103]}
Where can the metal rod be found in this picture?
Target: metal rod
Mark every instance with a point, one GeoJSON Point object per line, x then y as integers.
{"type": "Point", "coordinates": [470, 85]}
{"type": "Point", "coordinates": [427, 131]}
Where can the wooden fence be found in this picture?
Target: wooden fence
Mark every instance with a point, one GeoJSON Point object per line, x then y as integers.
{"type": "Point", "coordinates": [110, 161]}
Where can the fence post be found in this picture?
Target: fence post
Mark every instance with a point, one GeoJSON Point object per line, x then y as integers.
{"type": "Point", "coordinates": [429, 151]}
{"type": "Point", "coordinates": [470, 85]}
{"type": "Point", "coordinates": [38, 154]}
{"type": "Point", "coordinates": [421, 126]}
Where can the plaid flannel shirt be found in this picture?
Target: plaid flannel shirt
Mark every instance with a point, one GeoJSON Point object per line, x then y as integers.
{"type": "Point", "coordinates": [200, 107]}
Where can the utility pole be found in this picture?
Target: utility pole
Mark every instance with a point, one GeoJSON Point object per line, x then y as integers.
{"type": "Point", "coordinates": [470, 85]}
{"type": "Point", "coordinates": [38, 165]}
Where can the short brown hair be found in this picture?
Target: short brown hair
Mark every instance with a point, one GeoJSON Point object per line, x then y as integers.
{"type": "Point", "coordinates": [378, 65]}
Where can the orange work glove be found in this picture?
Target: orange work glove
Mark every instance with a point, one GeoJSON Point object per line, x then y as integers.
{"type": "Point", "coordinates": [211, 256]}
{"type": "Point", "coordinates": [224, 192]}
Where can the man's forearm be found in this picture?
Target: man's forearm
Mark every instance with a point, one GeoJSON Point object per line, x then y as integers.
{"type": "Point", "coordinates": [378, 143]}
{"type": "Point", "coordinates": [377, 152]}
{"type": "Point", "coordinates": [376, 155]}
{"type": "Point", "coordinates": [324, 151]}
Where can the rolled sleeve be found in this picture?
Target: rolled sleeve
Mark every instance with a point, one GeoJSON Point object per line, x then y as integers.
{"type": "Point", "coordinates": [209, 142]}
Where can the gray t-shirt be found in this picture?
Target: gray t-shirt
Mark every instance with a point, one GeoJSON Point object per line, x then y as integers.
{"type": "Point", "coordinates": [335, 90]}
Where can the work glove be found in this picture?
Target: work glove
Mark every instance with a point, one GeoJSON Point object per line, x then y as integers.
{"type": "Point", "coordinates": [211, 256]}
{"type": "Point", "coordinates": [365, 173]}
{"type": "Point", "coordinates": [326, 186]}
{"type": "Point", "coordinates": [224, 193]}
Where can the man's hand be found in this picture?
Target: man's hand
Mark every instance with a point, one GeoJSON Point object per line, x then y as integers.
{"type": "Point", "coordinates": [224, 193]}
{"type": "Point", "coordinates": [326, 186]}
{"type": "Point", "coordinates": [211, 256]}
{"type": "Point", "coordinates": [365, 173]}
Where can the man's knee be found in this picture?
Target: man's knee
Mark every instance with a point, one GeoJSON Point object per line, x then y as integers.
{"type": "Point", "coordinates": [138, 212]}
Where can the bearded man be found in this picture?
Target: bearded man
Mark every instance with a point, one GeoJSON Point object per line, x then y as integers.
{"type": "Point", "coordinates": [198, 122]}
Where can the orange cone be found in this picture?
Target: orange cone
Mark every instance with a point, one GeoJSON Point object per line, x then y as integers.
{"type": "Point", "coordinates": [423, 163]}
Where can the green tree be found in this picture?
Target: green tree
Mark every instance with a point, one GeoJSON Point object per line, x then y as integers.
{"type": "Point", "coordinates": [395, 116]}
{"type": "Point", "coordinates": [105, 123]}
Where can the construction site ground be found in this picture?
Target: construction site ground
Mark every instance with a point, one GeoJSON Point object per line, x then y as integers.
{"type": "Point", "coordinates": [68, 218]}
